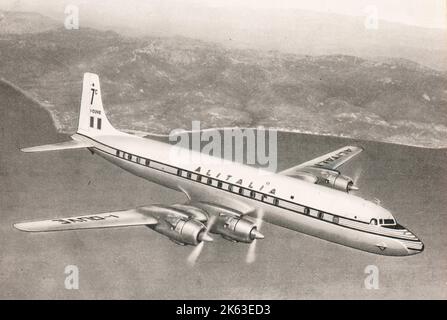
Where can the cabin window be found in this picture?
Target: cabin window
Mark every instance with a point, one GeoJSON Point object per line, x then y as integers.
{"type": "Point", "coordinates": [219, 184]}
{"type": "Point", "coordinates": [92, 122]}
{"type": "Point", "coordinates": [188, 175]}
{"type": "Point", "coordinates": [99, 124]}
{"type": "Point", "coordinates": [314, 213]}
{"type": "Point", "coordinates": [275, 201]}
{"type": "Point", "coordinates": [335, 220]}
{"type": "Point", "coordinates": [169, 169]}
{"type": "Point", "coordinates": [230, 187]}
{"type": "Point", "coordinates": [147, 162]}
{"type": "Point", "coordinates": [138, 159]}
{"type": "Point", "coordinates": [252, 194]}
{"type": "Point", "coordinates": [306, 211]}
{"type": "Point", "coordinates": [259, 196]}
{"type": "Point", "coordinates": [209, 181]}
{"type": "Point", "coordinates": [129, 156]}
{"type": "Point", "coordinates": [198, 177]}
{"type": "Point", "coordinates": [269, 199]}
{"type": "Point", "coordinates": [179, 172]}
{"type": "Point", "coordinates": [320, 215]}
{"type": "Point", "coordinates": [117, 153]}
{"type": "Point", "coordinates": [241, 190]}
{"type": "Point", "coordinates": [291, 206]}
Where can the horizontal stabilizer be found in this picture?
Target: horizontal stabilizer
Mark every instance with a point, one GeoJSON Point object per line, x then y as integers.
{"type": "Point", "coordinates": [102, 220]}
{"type": "Point", "coordinates": [73, 144]}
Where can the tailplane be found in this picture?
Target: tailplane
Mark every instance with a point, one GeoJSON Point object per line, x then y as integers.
{"type": "Point", "coordinates": [72, 144]}
{"type": "Point", "coordinates": [92, 118]}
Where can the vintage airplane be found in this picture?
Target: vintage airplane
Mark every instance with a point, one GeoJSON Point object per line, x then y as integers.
{"type": "Point", "coordinates": [231, 199]}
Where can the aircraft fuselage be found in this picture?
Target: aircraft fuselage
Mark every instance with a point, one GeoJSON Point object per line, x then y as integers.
{"type": "Point", "coordinates": [318, 211]}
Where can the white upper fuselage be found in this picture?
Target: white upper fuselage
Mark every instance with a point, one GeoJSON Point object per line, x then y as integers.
{"type": "Point", "coordinates": [320, 211]}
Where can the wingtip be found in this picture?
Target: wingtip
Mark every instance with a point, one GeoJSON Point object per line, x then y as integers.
{"type": "Point", "coordinates": [356, 146]}
{"type": "Point", "coordinates": [21, 226]}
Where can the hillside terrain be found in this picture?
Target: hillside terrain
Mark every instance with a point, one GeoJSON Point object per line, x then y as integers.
{"type": "Point", "coordinates": [156, 84]}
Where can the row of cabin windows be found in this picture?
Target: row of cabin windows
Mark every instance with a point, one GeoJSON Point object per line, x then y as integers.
{"type": "Point", "coordinates": [226, 186]}
{"type": "Point", "coordinates": [133, 158]}
{"type": "Point", "coordinates": [257, 195]}
{"type": "Point", "coordinates": [240, 190]}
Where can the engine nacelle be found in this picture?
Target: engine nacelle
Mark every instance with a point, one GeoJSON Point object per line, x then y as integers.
{"type": "Point", "coordinates": [183, 231]}
{"type": "Point", "coordinates": [328, 178]}
{"type": "Point", "coordinates": [236, 229]}
{"type": "Point", "coordinates": [340, 182]}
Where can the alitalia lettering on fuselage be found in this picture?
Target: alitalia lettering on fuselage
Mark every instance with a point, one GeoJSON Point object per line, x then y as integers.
{"type": "Point", "coordinates": [334, 158]}
{"type": "Point", "coordinates": [229, 178]}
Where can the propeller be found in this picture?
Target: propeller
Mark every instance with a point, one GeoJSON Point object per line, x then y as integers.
{"type": "Point", "coordinates": [251, 253]}
{"type": "Point", "coordinates": [203, 237]}
{"type": "Point", "coordinates": [356, 179]}
{"type": "Point", "coordinates": [195, 253]}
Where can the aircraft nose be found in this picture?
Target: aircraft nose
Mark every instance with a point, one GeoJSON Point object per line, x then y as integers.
{"type": "Point", "coordinates": [415, 246]}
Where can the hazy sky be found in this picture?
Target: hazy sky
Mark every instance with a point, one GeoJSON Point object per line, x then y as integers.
{"type": "Point", "coordinates": [425, 13]}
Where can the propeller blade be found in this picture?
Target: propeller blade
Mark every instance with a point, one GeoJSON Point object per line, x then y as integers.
{"type": "Point", "coordinates": [356, 178]}
{"type": "Point", "coordinates": [256, 234]}
{"type": "Point", "coordinates": [210, 223]}
{"type": "Point", "coordinates": [194, 255]}
{"type": "Point", "coordinates": [251, 253]}
{"type": "Point", "coordinates": [260, 220]}
{"type": "Point", "coordinates": [203, 237]}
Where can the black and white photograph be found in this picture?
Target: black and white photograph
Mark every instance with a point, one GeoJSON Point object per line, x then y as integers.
{"type": "Point", "coordinates": [223, 150]}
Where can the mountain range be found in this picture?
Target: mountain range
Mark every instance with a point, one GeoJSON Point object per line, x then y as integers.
{"type": "Point", "coordinates": [157, 84]}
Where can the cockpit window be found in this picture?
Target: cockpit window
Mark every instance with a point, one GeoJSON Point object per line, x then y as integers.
{"type": "Point", "coordinates": [382, 222]}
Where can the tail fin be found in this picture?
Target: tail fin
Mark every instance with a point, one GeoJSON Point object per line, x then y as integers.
{"type": "Point", "coordinates": [92, 118]}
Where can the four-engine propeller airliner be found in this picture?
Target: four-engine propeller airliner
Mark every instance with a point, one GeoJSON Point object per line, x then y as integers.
{"type": "Point", "coordinates": [313, 198]}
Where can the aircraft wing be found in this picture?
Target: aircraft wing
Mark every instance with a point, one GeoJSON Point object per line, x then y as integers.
{"type": "Point", "coordinates": [125, 218]}
{"type": "Point", "coordinates": [330, 161]}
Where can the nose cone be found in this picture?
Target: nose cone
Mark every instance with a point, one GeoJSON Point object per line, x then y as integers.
{"type": "Point", "coordinates": [413, 245]}
{"type": "Point", "coordinates": [255, 234]}
{"type": "Point", "coordinates": [204, 236]}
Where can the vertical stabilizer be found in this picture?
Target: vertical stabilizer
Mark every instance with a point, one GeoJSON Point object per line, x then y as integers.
{"type": "Point", "coordinates": [92, 118]}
